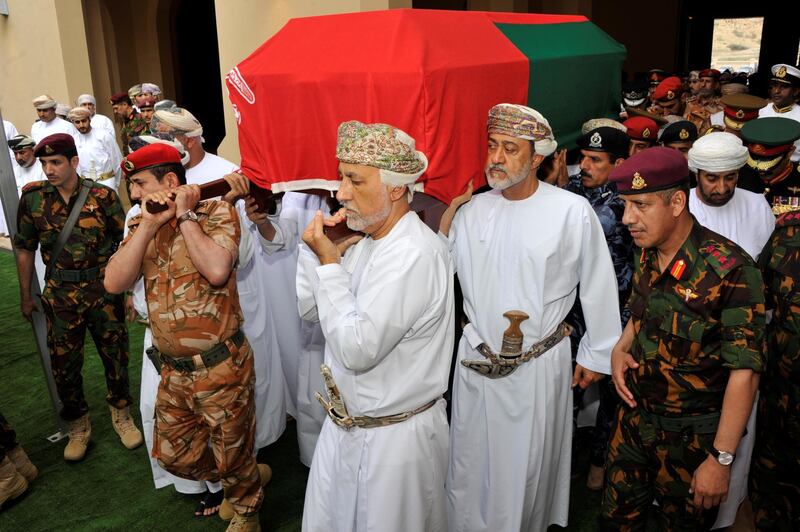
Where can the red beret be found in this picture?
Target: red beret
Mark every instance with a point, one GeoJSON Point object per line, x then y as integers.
{"type": "Point", "coordinates": [710, 73]}
{"type": "Point", "coordinates": [56, 144]}
{"type": "Point", "coordinates": [669, 89]}
{"type": "Point", "coordinates": [642, 128]}
{"type": "Point", "coordinates": [120, 97]}
{"type": "Point", "coordinates": [651, 170]}
{"type": "Point", "coordinates": [150, 156]}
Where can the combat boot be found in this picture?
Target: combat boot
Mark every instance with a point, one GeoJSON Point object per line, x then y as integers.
{"type": "Point", "coordinates": [244, 523]}
{"type": "Point", "coordinates": [12, 484]}
{"type": "Point", "coordinates": [80, 434]}
{"type": "Point", "coordinates": [23, 463]}
{"type": "Point", "coordinates": [130, 436]}
{"type": "Point", "coordinates": [226, 511]}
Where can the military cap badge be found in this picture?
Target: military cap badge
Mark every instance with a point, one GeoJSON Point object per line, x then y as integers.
{"type": "Point", "coordinates": [781, 73]}
{"type": "Point", "coordinates": [683, 134]}
{"type": "Point", "coordinates": [129, 166]}
{"type": "Point", "coordinates": [638, 182]}
{"type": "Point", "coordinates": [646, 133]}
{"type": "Point", "coordinates": [49, 150]}
{"type": "Point", "coordinates": [740, 113]}
{"type": "Point", "coordinates": [596, 141]}
{"type": "Point", "coordinates": [670, 95]}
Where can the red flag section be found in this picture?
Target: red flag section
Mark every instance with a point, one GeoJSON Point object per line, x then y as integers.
{"type": "Point", "coordinates": [433, 74]}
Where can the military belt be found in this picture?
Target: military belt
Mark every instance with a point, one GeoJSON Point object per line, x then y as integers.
{"type": "Point", "coordinates": [499, 365]}
{"type": "Point", "coordinates": [207, 359]}
{"type": "Point", "coordinates": [337, 411]}
{"type": "Point", "coordinates": [703, 424]}
{"type": "Point", "coordinates": [76, 276]}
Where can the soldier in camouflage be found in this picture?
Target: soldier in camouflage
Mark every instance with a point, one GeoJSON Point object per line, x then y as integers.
{"type": "Point", "coordinates": [688, 362]}
{"type": "Point", "coordinates": [775, 470]}
{"type": "Point", "coordinates": [132, 123]}
{"type": "Point", "coordinates": [602, 149]}
{"type": "Point", "coordinates": [73, 297]}
{"type": "Point", "coordinates": [186, 255]}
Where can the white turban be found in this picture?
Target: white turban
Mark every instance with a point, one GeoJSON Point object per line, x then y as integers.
{"type": "Point", "coordinates": [178, 121]}
{"type": "Point", "coordinates": [79, 113]}
{"type": "Point", "coordinates": [85, 98]}
{"type": "Point", "coordinates": [523, 123]}
{"type": "Point", "coordinates": [44, 102]}
{"type": "Point", "coordinates": [150, 88]}
{"type": "Point", "coordinates": [62, 109]}
{"type": "Point", "coordinates": [717, 152]}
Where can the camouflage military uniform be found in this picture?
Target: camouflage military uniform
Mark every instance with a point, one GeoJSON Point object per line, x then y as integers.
{"type": "Point", "coordinates": [609, 208]}
{"type": "Point", "coordinates": [693, 323]}
{"type": "Point", "coordinates": [189, 316]}
{"type": "Point", "coordinates": [699, 113]}
{"type": "Point", "coordinates": [72, 306]}
{"type": "Point", "coordinates": [775, 471]}
{"type": "Point", "coordinates": [133, 126]}
{"type": "Point", "coordinates": [8, 438]}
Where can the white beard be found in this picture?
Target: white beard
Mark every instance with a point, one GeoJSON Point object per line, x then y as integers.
{"type": "Point", "coordinates": [510, 180]}
{"type": "Point", "coordinates": [358, 222]}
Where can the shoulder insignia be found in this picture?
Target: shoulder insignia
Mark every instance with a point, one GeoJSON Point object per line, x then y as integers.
{"type": "Point", "coordinates": [790, 218]}
{"type": "Point", "coordinates": [720, 258]}
{"type": "Point", "coordinates": [678, 268]}
{"type": "Point", "coordinates": [33, 185]}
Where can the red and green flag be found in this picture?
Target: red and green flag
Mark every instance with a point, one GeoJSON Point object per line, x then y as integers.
{"type": "Point", "coordinates": [433, 74]}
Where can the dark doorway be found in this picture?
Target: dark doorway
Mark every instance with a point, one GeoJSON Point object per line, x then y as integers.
{"type": "Point", "coordinates": [197, 72]}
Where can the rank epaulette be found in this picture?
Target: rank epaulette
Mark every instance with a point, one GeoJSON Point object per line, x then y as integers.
{"type": "Point", "coordinates": [33, 185]}
{"type": "Point", "coordinates": [721, 258]}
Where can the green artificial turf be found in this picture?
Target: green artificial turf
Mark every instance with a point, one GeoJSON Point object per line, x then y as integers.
{"type": "Point", "coordinates": [112, 489]}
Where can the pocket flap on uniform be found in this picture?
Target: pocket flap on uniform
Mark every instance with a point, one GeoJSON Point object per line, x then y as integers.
{"type": "Point", "coordinates": [683, 325]}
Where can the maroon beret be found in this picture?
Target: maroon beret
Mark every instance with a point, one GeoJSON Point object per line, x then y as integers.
{"type": "Point", "coordinates": [650, 170]}
{"type": "Point", "coordinates": [150, 156]}
{"type": "Point", "coordinates": [120, 97]}
{"type": "Point", "coordinates": [710, 73]}
{"type": "Point", "coordinates": [56, 144]}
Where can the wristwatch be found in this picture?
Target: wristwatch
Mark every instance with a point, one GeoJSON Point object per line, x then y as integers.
{"type": "Point", "coordinates": [723, 457]}
{"type": "Point", "coordinates": [188, 215]}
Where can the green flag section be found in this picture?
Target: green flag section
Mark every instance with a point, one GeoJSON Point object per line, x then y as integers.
{"type": "Point", "coordinates": [575, 73]}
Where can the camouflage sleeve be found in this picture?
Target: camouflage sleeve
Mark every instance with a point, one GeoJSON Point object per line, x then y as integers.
{"type": "Point", "coordinates": [634, 306]}
{"type": "Point", "coordinates": [115, 216]}
{"type": "Point", "coordinates": [27, 236]}
{"type": "Point", "coordinates": [743, 319]}
{"type": "Point", "coordinates": [222, 226]}
{"type": "Point", "coordinates": [764, 260]}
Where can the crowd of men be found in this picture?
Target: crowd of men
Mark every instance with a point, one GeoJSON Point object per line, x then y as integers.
{"type": "Point", "coordinates": [659, 268]}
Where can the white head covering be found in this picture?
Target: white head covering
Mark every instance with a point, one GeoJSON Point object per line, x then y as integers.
{"type": "Point", "coordinates": [151, 88]}
{"type": "Point", "coordinates": [79, 113]}
{"type": "Point", "coordinates": [717, 152]}
{"type": "Point", "coordinates": [85, 98]}
{"type": "Point", "coordinates": [62, 109]}
{"type": "Point", "coordinates": [44, 102]}
{"type": "Point", "coordinates": [523, 123]}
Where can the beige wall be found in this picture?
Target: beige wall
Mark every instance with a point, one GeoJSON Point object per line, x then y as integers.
{"type": "Point", "coordinates": [243, 25]}
{"type": "Point", "coordinates": [42, 50]}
